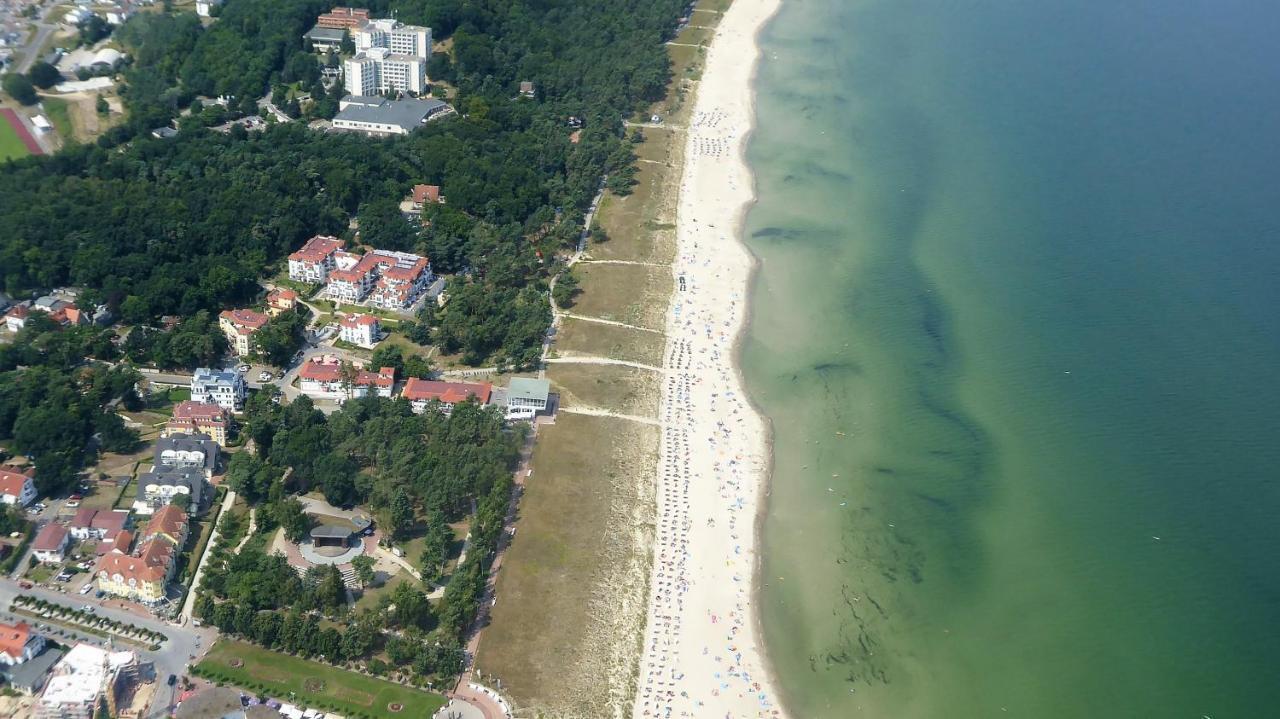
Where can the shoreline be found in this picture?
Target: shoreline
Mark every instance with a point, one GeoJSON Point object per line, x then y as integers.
{"type": "Point", "coordinates": [703, 651]}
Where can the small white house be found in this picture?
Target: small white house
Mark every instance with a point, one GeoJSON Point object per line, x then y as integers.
{"type": "Point", "coordinates": [51, 542]}
{"type": "Point", "coordinates": [360, 330]}
{"type": "Point", "coordinates": [17, 487]}
{"type": "Point", "coordinates": [204, 8]}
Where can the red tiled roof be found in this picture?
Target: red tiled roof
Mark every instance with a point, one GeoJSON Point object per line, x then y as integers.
{"type": "Point", "coordinates": [358, 320]}
{"type": "Point", "coordinates": [18, 311]}
{"type": "Point", "coordinates": [50, 538]}
{"type": "Point", "coordinates": [332, 372]}
{"type": "Point", "coordinates": [191, 409]}
{"type": "Point", "coordinates": [245, 318]}
{"type": "Point", "coordinates": [13, 638]}
{"type": "Point", "coordinates": [168, 520]}
{"type": "Point", "coordinates": [120, 543]}
{"type": "Point", "coordinates": [149, 565]}
{"type": "Point", "coordinates": [426, 193]}
{"type": "Point", "coordinates": [12, 482]}
{"type": "Point", "coordinates": [111, 521]}
{"type": "Point", "coordinates": [449, 392]}
{"type": "Point", "coordinates": [317, 249]}
{"type": "Point", "coordinates": [83, 518]}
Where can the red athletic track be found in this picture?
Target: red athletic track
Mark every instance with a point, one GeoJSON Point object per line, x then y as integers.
{"type": "Point", "coordinates": [12, 117]}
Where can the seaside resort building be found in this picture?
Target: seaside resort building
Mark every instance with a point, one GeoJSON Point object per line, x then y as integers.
{"type": "Point", "coordinates": [390, 56]}
{"type": "Point", "coordinates": [142, 575]}
{"type": "Point", "coordinates": [390, 280]}
{"type": "Point", "coordinates": [330, 379]}
{"type": "Point", "coordinates": [360, 330]}
{"type": "Point", "coordinates": [239, 327]}
{"type": "Point", "coordinates": [191, 417]}
{"type": "Point", "coordinates": [421, 393]}
{"type": "Point", "coordinates": [223, 388]}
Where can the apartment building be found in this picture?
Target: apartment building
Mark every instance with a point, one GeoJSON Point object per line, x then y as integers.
{"type": "Point", "coordinates": [18, 486]}
{"type": "Point", "coordinates": [390, 280]}
{"type": "Point", "coordinates": [313, 261]}
{"type": "Point", "coordinates": [360, 330]}
{"type": "Point", "coordinates": [239, 327]}
{"type": "Point", "coordinates": [192, 417]}
{"type": "Point", "coordinates": [223, 388]}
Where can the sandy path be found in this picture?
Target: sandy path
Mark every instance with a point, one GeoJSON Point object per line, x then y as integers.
{"type": "Point", "coordinates": [702, 652]}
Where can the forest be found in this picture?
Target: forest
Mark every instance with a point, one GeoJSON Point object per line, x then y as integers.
{"type": "Point", "coordinates": [416, 473]}
{"type": "Point", "coordinates": [188, 226]}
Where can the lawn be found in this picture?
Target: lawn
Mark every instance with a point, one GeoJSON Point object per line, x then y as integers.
{"type": "Point", "coordinates": [566, 630]}
{"type": "Point", "coordinates": [629, 221]}
{"type": "Point", "coordinates": [60, 115]}
{"type": "Point", "coordinates": [312, 684]}
{"type": "Point", "coordinates": [11, 146]}
{"type": "Point", "coordinates": [369, 597]}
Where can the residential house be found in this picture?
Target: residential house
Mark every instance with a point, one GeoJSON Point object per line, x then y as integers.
{"type": "Point", "coordinates": [204, 8]}
{"type": "Point", "coordinates": [527, 89]}
{"type": "Point", "coordinates": [191, 417]}
{"type": "Point", "coordinates": [98, 524]}
{"type": "Point", "coordinates": [329, 379]}
{"type": "Point", "coordinates": [313, 261]}
{"type": "Point", "coordinates": [360, 330]}
{"type": "Point", "coordinates": [280, 301]}
{"type": "Point", "coordinates": [51, 542]}
{"type": "Point", "coordinates": [421, 393]}
{"type": "Point", "coordinates": [424, 195]}
{"type": "Point", "coordinates": [86, 678]}
{"type": "Point", "coordinates": [527, 397]}
{"type": "Point", "coordinates": [239, 327]}
{"type": "Point", "coordinates": [223, 388]}
{"type": "Point", "coordinates": [61, 311]}
{"type": "Point", "coordinates": [16, 318]}
{"type": "Point", "coordinates": [18, 643]}
{"type": "Point", "coordinates": [18, 485]}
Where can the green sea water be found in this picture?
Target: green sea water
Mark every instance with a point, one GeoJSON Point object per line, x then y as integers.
{"type": "Point", "coordinates": [1016, 329]}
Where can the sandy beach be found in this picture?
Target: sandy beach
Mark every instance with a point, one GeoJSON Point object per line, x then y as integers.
{"type": "Point", "coordinates": [703, 655]}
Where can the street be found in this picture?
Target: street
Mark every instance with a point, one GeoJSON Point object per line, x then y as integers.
{"type": "Point", "coordinates": [174, 654]}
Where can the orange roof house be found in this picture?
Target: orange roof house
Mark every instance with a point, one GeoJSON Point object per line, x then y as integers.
{"type": "Point", "coordinates": [421, 390]}
{"type": "Point", "coordinates": [280, 301]}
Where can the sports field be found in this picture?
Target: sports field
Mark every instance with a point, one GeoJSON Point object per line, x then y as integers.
{"type": "Point", "coordinates": [313, 685]}
{"type": "Point", "coordinates": [15, 141]}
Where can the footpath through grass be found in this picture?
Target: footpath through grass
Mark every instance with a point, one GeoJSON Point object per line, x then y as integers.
{"type": "Point", "coordinates": [313, 685]}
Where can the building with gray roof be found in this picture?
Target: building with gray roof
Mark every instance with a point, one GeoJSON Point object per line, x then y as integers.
{"type": "Point", "coordinates": [380, 116]}
{"type": "Point", "coordinates": [526, 397]}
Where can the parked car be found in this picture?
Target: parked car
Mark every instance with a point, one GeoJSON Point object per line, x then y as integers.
{"type": "Point", "coordinates": [243, 368]}
{"type": "Point", "coordinates": [173, 679]}
{"type": "Point", "coordinates": [25, 584]}
{"type": "Point", "coordinates": [264, 376]}
{"type": "Point", "coordinates": [86, 589]}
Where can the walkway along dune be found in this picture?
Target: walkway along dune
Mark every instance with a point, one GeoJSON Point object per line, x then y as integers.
{"type": "Point", "coordinates": [702, 646]}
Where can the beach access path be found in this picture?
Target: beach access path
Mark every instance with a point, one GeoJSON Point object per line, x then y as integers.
{"type": "Point", "coordinates": [702, 652]}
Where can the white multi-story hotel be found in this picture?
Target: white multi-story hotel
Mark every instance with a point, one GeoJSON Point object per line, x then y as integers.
{"type": "Point", "coordinates": [401, 39]}
{"type": "Point", "coordinates": [313, 261]}
{"type": "Point", "coordinates": [389, 56]}
{"type": "Point", "coordinates": [390, 280]}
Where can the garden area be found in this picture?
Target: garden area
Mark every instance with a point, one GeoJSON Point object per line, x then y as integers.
{"type": "Point", "coordinates": [313, 685]}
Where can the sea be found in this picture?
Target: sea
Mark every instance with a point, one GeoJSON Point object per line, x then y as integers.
{"type": "Point", "coordinates": [1016, 326]}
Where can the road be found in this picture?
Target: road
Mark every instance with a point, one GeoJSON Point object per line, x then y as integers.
{"type": "Point", "coordinates": [31, 51]}
{"type": "Point", "coordinates": [172, 657]}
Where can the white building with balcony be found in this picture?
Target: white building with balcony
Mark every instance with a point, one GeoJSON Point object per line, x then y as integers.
{"type": "Point", "coordinates": [224, 388]}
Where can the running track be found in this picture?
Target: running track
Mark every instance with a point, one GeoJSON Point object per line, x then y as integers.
{"type": "Point", "coordinates": [12, 118]}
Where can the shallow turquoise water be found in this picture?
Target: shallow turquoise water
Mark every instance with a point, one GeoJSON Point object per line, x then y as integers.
{"type": "Point", "coordinates": [1016, 327]}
